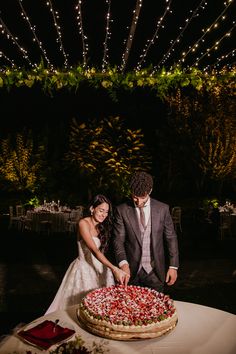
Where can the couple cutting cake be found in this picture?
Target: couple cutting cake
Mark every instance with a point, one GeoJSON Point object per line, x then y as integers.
{"type": "Point", "coordinates": [143, 241]}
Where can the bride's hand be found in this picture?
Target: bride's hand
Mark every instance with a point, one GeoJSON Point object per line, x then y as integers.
{"type": "Point", "coordinates": [120, 276]}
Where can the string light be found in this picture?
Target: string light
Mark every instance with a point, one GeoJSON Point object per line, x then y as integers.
{"type": "Point", "coordinates": [33, 28]}
{"type": "Point", "coordinates": [56, 17]}
{"type": "Point", "coordinates": [81, 31]}
{"type": "Point", "coordinates": [193, 14]}
{"type": "Point", "coordinates": [129, 41]}
{"type": "Point", "coordinates": [220, 59]}
{"type": "Point", "coordinates": [4, 56]}
{"type": "Point", "coordinates": [213, 26]}
{"type": "Point", "coordinates": [4, 30]}
{"type": "Point", "coordinates": [223, 57]}
{"type": "Point", "coordinates": [151, 41]}
{"type": "Point", "coordinates": [215, 45]}
{"type": "Point", "coordinates": [107, 37]}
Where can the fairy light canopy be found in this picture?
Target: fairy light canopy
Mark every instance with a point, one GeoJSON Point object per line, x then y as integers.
{"type": "Point", "coordinates": [129, 35]}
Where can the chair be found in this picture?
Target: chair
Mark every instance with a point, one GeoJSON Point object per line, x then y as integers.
{"type": "Point", "coordinates": [79, 210]}
{"type": "Point", "coordinates": [20, 211]}
{"type": "Point", "coordinates": [45, 223]}
{"type": "Point", "coordinates": [75, 216]}
{"type": "Point", "coordinates": [26, 224]}
{"type": "Point", "coordinates": [176, 214]}
{"type": "Point", "coordinates": [225, 226]}
{"type": "Point", "coordinates": [14, 220]}
{"type": "Point", "coordinates": [45, 227]}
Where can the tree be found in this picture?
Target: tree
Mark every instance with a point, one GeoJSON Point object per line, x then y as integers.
{"type": "Point", "coordinates": [207, 125]}
{"type": "Point", "coordinates": [217, 147]}
{"type": "Point", "coordinates": [20, 162]}
{"type": "Point", "coordinates": [106, 153]}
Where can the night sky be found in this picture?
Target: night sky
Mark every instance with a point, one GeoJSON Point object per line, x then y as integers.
{"type": "Point", "coordinates": [177, 32]}
{"type": "Point", "coordinates": [192, 16]}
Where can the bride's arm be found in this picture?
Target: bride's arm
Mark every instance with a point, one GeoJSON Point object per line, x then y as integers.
{"type": "Point", "coordinates": [84, 232]}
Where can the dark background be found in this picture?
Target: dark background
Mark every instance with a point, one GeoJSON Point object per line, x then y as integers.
{"type": "Point", "coordinates": [33, 108]}
{"type": "Point", "coordinates": [199, 14]}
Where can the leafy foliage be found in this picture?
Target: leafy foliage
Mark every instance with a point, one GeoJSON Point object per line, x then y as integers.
{"type": "Point", "coordinates": [217, 147]}
{"type": "Point", "coordinates": [20, 163]}
{"type": "Point", "coordinates": [163, 82]}
{"type": "Point", "coordinates": [207, 126]}
{"type": "Point", "coordinates": [78, 346]}
{"type": "Point", "coordinates": [107, 152]}
{"type": "Point", "coordinates": [200, 129]}
{"type": "Point", "coordinates": [33, 202]}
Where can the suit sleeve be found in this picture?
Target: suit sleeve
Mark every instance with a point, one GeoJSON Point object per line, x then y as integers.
{"type": "Point", "coordinates": [119, 233]}
{"type": "Point", "coordinates": [171, 240]}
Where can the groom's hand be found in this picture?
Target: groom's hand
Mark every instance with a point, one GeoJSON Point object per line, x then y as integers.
{"type": "Point", "coordinates": [126, 269]}
{"type": "Point", "coordinates": [171, 276]}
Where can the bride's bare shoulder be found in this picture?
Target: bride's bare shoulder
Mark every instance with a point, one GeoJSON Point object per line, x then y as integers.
{"type": "Point", "coordinates": [84, 222]}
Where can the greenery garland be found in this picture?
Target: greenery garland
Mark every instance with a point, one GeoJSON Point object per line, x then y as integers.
{"type": "Point", "coordinates": [163, 82]}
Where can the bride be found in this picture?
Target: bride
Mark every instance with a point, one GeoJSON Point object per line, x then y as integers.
{"type": "Point", "coordinates": [91, 269]}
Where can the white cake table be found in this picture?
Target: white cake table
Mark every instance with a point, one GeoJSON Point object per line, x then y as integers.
{"type": "Point", "coordinates": [200, 330]}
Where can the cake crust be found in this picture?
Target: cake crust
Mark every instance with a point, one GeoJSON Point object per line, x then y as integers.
{"type": "Point", "coordinates": [127, 313]}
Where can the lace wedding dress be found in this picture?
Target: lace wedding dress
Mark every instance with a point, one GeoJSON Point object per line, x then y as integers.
{"type": "Point", "coordinates": [84, 274]}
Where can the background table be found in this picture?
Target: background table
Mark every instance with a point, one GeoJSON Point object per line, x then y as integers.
{"type": "Point", "coordinates": [200, 330]}
{"type": "Point", "coordinates": [57, 220]}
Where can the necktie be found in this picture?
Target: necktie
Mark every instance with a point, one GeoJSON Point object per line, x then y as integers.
{"type": "Point", "coordinates": [142, 217]}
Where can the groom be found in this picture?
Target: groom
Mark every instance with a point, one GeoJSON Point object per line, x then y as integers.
{"type": "Point", "coordinates": [145, 242]}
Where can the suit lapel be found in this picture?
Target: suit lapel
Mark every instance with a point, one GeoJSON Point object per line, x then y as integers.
{"type": "Point", "coordinates": [155, 220]}
{"type": "Point", "coordinates": [133, 219]}
{"type": "Point", "coordinates": [154, 216]}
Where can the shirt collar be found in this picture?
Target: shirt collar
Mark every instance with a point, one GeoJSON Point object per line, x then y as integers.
{"type": "Point", "coordinates": [147, 202]}
{"type": "Point", "coordinates": [145, 205]}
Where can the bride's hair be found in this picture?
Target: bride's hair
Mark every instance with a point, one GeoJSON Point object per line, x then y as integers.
{"type": "Point", "coordinates": [104, 228]}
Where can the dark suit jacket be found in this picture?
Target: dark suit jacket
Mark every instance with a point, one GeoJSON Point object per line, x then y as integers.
{"type": "Point", "coordinates": [127, 237]}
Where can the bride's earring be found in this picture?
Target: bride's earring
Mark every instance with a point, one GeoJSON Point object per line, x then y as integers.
{"type": "Point", "coordinates": [91, 211]}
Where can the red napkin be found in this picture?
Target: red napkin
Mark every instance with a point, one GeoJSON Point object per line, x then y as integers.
{"type": "Point", "coordinates": [45, 334]}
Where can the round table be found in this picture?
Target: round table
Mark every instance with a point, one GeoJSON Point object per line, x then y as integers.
{"type": "Point", "coordinates": [200, 330]}
{"type": "Point", "coordinates": [56, 219]}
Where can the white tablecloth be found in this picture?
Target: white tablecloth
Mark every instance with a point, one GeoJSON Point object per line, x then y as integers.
{"type": "Point", "coordinates": [200, 330]}
{"type": "Point", "coordinates": [57, 220]}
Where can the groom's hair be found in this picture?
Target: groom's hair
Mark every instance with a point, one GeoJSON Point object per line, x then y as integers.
{"type": "Point", "coordinates": [141, 183]}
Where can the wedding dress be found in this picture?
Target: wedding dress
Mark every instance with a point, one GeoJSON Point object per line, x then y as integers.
{"type": "Point", "coordinates": [84, 274]}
